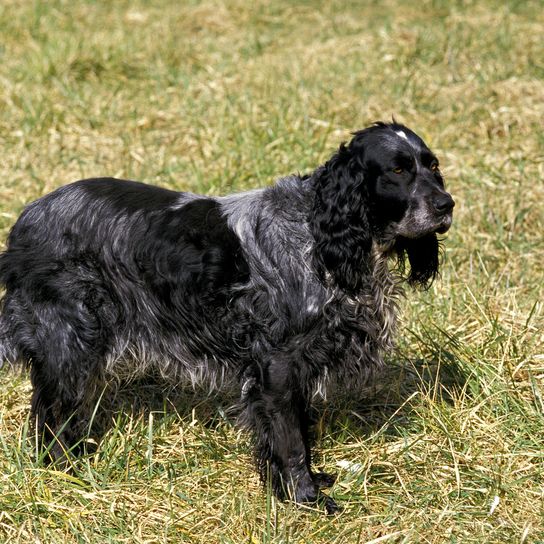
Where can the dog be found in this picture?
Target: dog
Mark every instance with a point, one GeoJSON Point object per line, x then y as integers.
{"type": "Point", "coordinates": [284, 292]}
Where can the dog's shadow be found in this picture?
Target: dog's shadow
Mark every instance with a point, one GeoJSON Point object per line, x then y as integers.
{"type": "Point", "coordinates": [385, 404]}
{"type": "Point", "coordinates": [388, 402]}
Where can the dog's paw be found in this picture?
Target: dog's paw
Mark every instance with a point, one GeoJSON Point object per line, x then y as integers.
{"type": "Point", "coordinates": [314, 497]}
{"type": "Point", "coordinates": [330, 505]}
{"type": "Point", "coordinates": [323, 480]}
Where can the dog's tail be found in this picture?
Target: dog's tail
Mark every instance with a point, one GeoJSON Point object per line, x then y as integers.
{"type": "Point", "coordinates": [8, 351]}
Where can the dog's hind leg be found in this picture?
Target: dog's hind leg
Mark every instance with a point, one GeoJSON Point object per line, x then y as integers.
{"type": "Point", "coordinates": [277, 412]}
{"type": "Point", "coordinates": [60, 406]}
{"type": "Point", "coordinates": [62, 342]}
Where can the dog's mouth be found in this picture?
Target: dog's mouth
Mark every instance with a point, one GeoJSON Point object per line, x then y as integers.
{"type": "Point", "coordinates": [444, 225]}
{"type": "Point", "coordinates": [437, 226]}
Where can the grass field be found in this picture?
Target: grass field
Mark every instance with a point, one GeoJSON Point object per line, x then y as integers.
{"type": "Point", "coordinates": [216, 96]}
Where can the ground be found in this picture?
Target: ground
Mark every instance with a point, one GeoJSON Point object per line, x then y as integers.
{"type": "Point", "coordinates": [217, 96]}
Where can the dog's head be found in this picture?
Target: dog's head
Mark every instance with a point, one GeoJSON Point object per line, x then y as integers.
{"type": "Point", "coordinates": [405, 187]}
{"type": "Point", "coordinates": [384, 187]}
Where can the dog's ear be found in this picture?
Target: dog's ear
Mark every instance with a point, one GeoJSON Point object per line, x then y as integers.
{"type": "Point", "coordinates": [339, 220]}
{"type": "Point", "coordinates": [424, 258]}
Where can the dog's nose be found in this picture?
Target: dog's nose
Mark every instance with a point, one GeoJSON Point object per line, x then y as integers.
{"type": "Point", "coordinates": [443, 204]}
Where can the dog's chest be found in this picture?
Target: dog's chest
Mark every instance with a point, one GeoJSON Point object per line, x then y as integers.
{"type": "Point", "coordinates": [371, 316]}
{"type": "Point", "coordinates": [382, 301]}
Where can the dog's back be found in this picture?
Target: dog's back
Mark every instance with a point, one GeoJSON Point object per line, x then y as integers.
{"type": "Point", "coordinates": [114, 277]}
{"type": "Point", "coordinates": [108, 253]}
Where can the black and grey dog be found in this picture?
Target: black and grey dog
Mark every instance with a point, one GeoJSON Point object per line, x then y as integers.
{"type": "Point", "coordinates": [283, 291]}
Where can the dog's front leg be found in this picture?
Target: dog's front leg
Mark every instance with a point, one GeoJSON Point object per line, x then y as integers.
{"type": "Point", "coordinates": [277, 412]}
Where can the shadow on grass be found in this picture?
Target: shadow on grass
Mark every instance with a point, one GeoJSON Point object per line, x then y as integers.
{"type": "Point", "coordinates": [387, 403]}
{"type": "Point", "coordinates": [384, 404]}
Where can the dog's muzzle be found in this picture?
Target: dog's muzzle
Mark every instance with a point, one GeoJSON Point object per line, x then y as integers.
{"type": "Point", "coordinates": [443, 208]}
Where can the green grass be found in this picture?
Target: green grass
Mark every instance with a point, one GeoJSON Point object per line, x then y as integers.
{"type": "Point", "coordinates": [217, 96]}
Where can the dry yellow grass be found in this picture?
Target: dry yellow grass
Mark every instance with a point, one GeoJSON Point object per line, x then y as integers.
{"type": "Point", "coordinates": [216, 96]}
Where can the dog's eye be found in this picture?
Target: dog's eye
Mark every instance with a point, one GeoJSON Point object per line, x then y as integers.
{"type": "Point", "coordinates": [398, 170]}
{"type": "Point", "coordinates": [434, 166]}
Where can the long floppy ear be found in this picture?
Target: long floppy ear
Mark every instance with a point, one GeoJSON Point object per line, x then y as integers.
{"type": "Point", "coordinates": [339, 221]}
{"type": "Point", "coordinates": [423, 256]}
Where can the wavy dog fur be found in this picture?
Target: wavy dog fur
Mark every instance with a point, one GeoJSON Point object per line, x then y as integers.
{"type": "Point", "coordinates": [281, 291]}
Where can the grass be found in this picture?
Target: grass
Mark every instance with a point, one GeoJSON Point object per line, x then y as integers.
{"type": "Point", "coordinates": [216, 96]}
